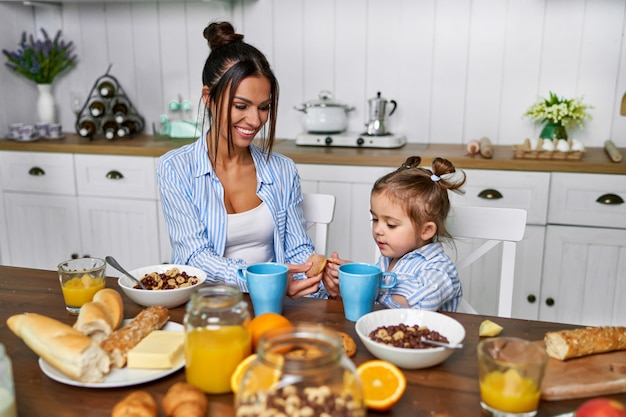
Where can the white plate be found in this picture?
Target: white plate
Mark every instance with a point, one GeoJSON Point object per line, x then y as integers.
{"type": "Point", "coordinates": [123, 377]}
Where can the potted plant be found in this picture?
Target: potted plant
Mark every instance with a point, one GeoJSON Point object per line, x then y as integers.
{"type": "Point", "coordinates": [558, 114]}
{"type": "Point", "coordinates": [42, 61]}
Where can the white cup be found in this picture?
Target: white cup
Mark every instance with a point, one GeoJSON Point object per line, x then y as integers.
{"type": "Point", "coordinates": [42, 129]}
{"type": "Point", "coordinates": [55, 130]}
{"type": "Point", "coordinates": [26, 132]}
{"type": "Point", "coordinates": [14, 130]}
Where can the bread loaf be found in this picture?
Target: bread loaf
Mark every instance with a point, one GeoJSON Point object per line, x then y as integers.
{"type": "Point", "coordinates": [118, 343]}
{"type": "Point", "coordinates": [62, 346]}
{"type": "Point", "coordinates": [567, 344]}
{"type": "Point", "coordinates": [99, 317]}
{"type": "Point", "coordinates": [319, 263]}
{"type": "Point", "coordinates": [136, 404]}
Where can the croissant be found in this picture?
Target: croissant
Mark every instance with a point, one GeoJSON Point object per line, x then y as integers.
{"type": "Point", "coordinates": [185, 400]}
{"type": "Point", "coordinates": [136, 404]}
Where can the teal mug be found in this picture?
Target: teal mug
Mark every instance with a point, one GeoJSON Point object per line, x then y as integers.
{"type": "Point", "coordinates": [267, 285]}
{"type": "Point", "coordinates": [359, 284]}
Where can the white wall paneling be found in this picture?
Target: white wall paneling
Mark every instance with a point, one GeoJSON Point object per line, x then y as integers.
{"type": "Point", "coordinates": [458, 69]}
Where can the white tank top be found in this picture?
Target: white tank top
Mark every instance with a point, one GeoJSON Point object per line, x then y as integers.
{"type": "Point", "coordinates": [250, 235]}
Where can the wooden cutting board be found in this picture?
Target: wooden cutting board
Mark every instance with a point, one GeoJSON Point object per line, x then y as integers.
{"type": "Point", "coordinates": [589, 376]}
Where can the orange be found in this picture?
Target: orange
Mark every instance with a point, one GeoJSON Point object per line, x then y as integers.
{"type": "Point", "coordinates": [265, 322]}
{"type": "Point", "coordinates": [262, 378]}
{"type": "Point", "coordinates": [383, 384]}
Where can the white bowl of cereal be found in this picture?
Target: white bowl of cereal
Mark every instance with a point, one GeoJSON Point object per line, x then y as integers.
{"type": "Point", "coordinates": [408, 326]}
{"type": "Point", "coordinates": [177, 282]}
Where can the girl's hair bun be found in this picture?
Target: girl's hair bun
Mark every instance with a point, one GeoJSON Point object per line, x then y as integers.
{"type": "Point", "coordinates": [219, 34]}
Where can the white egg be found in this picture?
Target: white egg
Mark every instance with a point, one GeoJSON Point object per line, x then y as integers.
{"type": "Point", "coordinates": [533, 143]}
{"type": "Point", "coordinates": [547, 145]}
{"type": "Point", "coordinates": [577, 145]}
{"type": "Point", "coordinates": [562, 145]}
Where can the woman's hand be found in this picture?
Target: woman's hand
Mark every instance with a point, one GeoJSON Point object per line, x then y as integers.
{"type": "Point", "coordinates": [330, 276]}
{"type": "Point", "coordinates": [297, 288]}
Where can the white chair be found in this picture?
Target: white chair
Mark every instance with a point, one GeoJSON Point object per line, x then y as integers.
{"type": "Point", "coordinates": [495, 225]}
{"type": "Point", "coordinates": [319, 210]}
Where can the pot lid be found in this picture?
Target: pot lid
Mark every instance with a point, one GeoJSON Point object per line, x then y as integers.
{"type": "Point", "coordinates": [325, 100]}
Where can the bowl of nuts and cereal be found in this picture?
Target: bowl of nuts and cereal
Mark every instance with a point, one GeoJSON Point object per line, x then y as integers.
{"type": "Point", "coordinates": [167, 285]}
{"type": "Point", "coordinates": [395, 335]}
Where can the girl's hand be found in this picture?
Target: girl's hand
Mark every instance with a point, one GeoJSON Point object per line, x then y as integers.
{"type": "Point", "coordinates": [330, 276]}
{"type": "Point", "coordinates": [297, 288]}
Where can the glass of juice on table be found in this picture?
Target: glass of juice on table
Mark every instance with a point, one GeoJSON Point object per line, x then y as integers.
{"type": "Point", "coordinates": [510, 371]}
{"type": "Point", "coordinates": [216, 337]}
{"type": "Point", "coordinates": [81, 279]}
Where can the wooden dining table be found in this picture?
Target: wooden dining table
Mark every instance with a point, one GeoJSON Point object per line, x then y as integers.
{"type": "Point", "coordinates": [449, 389]}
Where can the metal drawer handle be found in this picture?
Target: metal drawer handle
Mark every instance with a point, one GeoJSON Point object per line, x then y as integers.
{"type": "Point", "coordinates": [114, 175]}
{"type": "Point", "coordinates": [610, 200]}
{"type": "Point", "coordinates": [531, 298]}
{"type": "Point", "coordinates": [36, 172]}
{"type": "Point", "coordinates": [549, 301]}
{"type": "Point", "coordinates": [490, 194]}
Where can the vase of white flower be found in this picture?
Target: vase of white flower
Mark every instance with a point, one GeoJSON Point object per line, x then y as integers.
{"type": "Point", "coordinates": [42, 61]}
{"type": "Point", "coordinates": [558, 114]}
{"type": "Point", "coordinates": [553, 131]}
{"type": "Point", "coordinates": [46, 106]}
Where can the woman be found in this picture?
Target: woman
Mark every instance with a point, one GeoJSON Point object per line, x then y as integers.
{"type": "Point", "coordinates": [228, 202]}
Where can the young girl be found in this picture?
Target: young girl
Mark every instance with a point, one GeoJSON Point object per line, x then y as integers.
{"type": "Point", "coordinates": [409, 207]}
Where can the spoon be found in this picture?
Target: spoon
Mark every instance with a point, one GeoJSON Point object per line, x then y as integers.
{"type": "Point", "coordinates": [111, 261]}
{"type": "Point", "coordinates": [441, 344]}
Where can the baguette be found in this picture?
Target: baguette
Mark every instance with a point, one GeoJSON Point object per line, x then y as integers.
{"type": "Point", "coordinates": [99, 317]}
{"type": "Point", "coordinates": [118, 343]}
{"type": "Point", "coordinates": [62, 346]}
{"type": "Point", "coordinates": [567, 344]}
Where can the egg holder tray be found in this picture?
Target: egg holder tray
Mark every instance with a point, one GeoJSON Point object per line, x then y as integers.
{"type": "Point", "coordinates": [524, 151]}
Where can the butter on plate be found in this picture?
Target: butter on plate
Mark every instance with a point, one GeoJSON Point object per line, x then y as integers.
{"type": "Point", "coordinates": [161, 349]}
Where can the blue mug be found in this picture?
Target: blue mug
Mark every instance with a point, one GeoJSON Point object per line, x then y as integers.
{"type": "Point", "coordinates": [359, 284]}
{"type": "Point", "coordinates": [267, 285]}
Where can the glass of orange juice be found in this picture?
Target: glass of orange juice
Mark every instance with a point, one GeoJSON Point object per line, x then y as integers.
{"type": "Point", "coordinates": [217, 338]}
{"type": "Point", "coordinates": [81, 279]}
{"type": "Point", "coordinates": [510, 371]}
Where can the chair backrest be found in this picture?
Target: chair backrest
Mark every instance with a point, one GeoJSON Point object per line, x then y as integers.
{"type": "Point", "coordinates": [319, 210]}
{"type": "Point", "coordinates": [494, 225]}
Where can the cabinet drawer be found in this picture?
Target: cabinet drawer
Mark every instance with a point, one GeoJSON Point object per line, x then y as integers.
{"type": "Point", "coordinates": [588, 200]}
{"type": "Point", "coordinates": [514, 189]}
{"type": "Point", "coordinates": [116, 176]}
{"type": "Point", "coordinates": [41, 172]}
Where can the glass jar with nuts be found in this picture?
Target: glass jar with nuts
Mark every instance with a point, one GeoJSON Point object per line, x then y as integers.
{"type": "Point", "coordinates": [300, 371]}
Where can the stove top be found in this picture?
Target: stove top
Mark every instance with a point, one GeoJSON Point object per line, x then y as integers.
{"type": "Point", "coordinates": [351, 140]}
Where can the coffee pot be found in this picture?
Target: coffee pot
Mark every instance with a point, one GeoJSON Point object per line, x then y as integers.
{"type": "Point", "coordinates": [377, 114]}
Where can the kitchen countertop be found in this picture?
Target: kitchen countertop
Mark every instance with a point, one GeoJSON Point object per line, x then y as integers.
{"type": "Point", "coordinates": [595, 160]}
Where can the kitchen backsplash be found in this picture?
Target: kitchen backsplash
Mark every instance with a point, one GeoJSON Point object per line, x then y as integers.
{"type": "Point", "coordinates": [458, 69]}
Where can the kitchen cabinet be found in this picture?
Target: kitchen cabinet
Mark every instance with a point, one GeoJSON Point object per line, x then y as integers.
{"type": "Point", "coordinates": [584, 270]}
{"type": "Point", "coordinates": [59, 206]}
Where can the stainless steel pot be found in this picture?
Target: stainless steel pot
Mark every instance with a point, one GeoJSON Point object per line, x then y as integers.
{"type": "Point", "coordinates": [324, 115]}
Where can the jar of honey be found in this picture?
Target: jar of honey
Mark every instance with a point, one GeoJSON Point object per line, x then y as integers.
{"type": "Point", "coordinates": [216, 337]}
{"type": "Point", "coordinates": [300, 371]}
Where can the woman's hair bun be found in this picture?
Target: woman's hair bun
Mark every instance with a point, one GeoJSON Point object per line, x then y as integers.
{"type": "Point", "coordinates": [219, 34]}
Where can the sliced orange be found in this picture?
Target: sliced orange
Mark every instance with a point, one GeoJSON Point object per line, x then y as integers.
{"type": "Point", "coordinates": [263, 377]}
{"type": "Point", "coordinates": [264, 323]}
{"type": "Point", "coordinates": [240, 370]}
{"type": "Point", "coordinates": [383, 384]}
